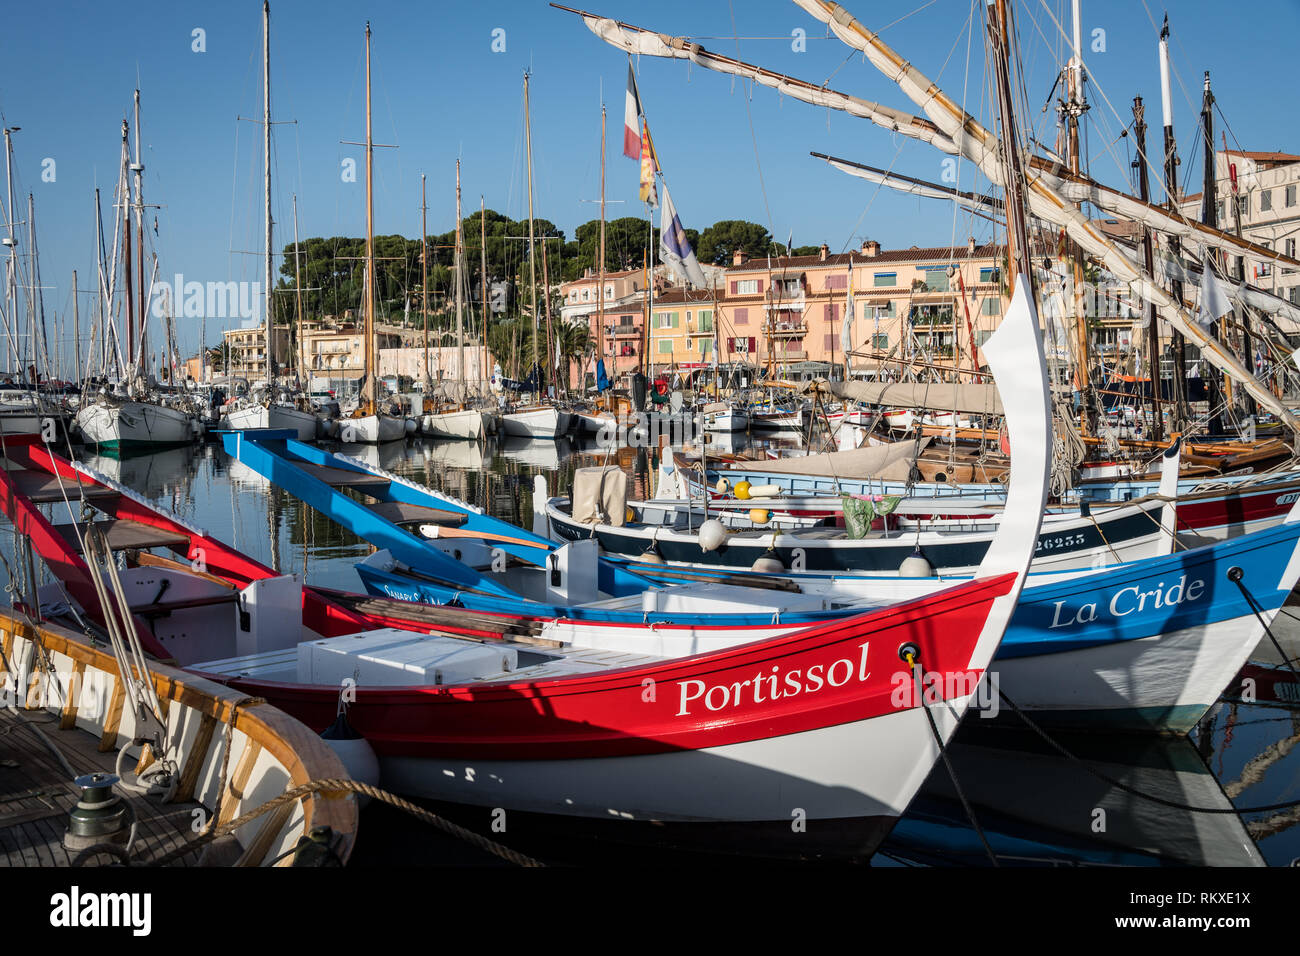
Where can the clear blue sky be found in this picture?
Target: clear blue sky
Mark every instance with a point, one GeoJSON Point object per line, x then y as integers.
{"type": "Point", "coordinates": [441, 92]}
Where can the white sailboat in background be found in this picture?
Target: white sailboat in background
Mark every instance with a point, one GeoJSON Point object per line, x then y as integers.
{"type": "Point", "coordinates": [540, 420]}
{"type": "Point", "coordinates": [134, 414]}
{"type": "Point", "coordinates": [461, 422]}
{"type": "Point", "coordinates": [264, 407]}
{"type": "Point", "coordinates": [368, 423]}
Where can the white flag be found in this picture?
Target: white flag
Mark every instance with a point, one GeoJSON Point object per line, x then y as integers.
{"type": "Point", "coordinates": [674, 248]}
{"type": "Point", "coordinates": [1214, 300]}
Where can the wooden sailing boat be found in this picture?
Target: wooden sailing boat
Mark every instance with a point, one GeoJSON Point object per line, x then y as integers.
{"type": "Point", "coordinates": [369, 423]}
{"type": "Point", "coordinates": [269, 409]}
{"type": "Point", "coordinates": [458, 420]}
{"type": "Point", "coordinates": [134, 415]}
{"type": "Point", "coordinates": [540, 419]}
{"type": "Point", "coordinates": [602, 420]}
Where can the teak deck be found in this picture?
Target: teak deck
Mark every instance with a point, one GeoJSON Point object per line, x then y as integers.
{"type": "Point", "coordinates": [36, 797]}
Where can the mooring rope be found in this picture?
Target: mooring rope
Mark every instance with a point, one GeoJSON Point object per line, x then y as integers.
{"type": "Point", "coordinates": [354, 786]}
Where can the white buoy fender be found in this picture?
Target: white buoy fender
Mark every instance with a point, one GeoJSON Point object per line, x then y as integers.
{"type": "Point", "coordinates": [915, 566]}
{"type": "Point", "coordinates": [712, 534]}
{"type": "Point", "coordinates": [354, 751]}
{"type": "Point", "coordinates": [765, 491]}
{"type": "Point", "coordinates": [768, 563]}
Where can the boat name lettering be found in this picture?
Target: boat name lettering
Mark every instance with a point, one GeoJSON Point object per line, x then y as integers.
{"type": "Point", "coordinates": [776, 685]}
{"type": "Point", "coordinates": [1132, 598]}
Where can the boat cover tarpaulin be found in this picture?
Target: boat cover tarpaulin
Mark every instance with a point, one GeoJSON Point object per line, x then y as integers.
{"type": "Point", "coordinates": [971, 398]}
{"type": "Point", "coordinates": [888, 462]}
{"type": "Point", "coordinates": [600, 495]}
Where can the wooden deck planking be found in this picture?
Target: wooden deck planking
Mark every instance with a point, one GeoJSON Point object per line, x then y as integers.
{"type": "Point", "coordinates": [39, 783]}
{"type": "Point", "coordinates": [124, 534]}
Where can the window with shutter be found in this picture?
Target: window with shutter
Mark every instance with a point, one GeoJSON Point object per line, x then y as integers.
{"type": "Point", "coordinates": [741, 317]}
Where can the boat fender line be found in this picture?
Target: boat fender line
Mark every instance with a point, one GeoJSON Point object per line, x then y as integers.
{"type": "Point", "coordinates": [911, 655]}
{"type": "Point", "coordinates": [334, 787]}
{"type": "Point", "coordinates": [1236, 576]}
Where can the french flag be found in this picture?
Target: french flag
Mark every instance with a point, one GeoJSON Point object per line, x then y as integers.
{"type": "Point", "coordinates": [631, 128]}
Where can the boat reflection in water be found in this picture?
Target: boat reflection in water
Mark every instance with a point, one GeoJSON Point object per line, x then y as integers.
{"type": "Point", "coordinates": [1038, 807]}
{"type": "Point", "coordinates": [151, 473]}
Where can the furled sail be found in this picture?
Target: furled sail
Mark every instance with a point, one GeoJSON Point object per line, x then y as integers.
{"type": "Point", "coordinates": [981, 147]}
{"type": "Point", "coordinates": [951, 129]}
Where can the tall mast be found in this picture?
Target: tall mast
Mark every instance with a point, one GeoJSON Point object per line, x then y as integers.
{"type": "Point", "coordinates": [1175, 246]}
{"type": "Point", "coordinates": [600, 298]}
{"type": "Point", "coordinates": [424, 282]}
{"type": "Point", "coordinates": [1074, 108]}
{"type": "Point", "coordinates": [125, 193]}
{"type": "Point", "coordinates": [460, 283]}
{"type": "Point", "coordinates": [482, 225]}
{"type": "Point", "coordinates": [266, 146]}
{"type": "Point", "coordinates": [1209, 216]}
{"type": "Point", "coordinates": [1148, 256]}
{"type": "Point", "coordinates": [532, 259]}
{"type": "Point", "coordinates": [76, 330]}
{"type": "Point", "coordinates": [11, 289]}
{"type": "Point", "coordinates": [372, 386]}
{"type": "Point", "coordinates": [137, 170]}
{"type": "Point", "coordinates": [304, 376]}
{"type": "Point", "coordinates": [1017, 234]}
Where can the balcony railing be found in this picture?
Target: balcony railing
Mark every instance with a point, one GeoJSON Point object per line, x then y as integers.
{"type": "Point", "coordinates": [622, 330]}
{"type": "Point", "coordinates": [786, 329]}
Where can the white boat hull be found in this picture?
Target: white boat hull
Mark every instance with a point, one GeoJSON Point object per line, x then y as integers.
{"type": "Point", "coordinates": [134, 424]}
{"type": "Point", "coordinates": [535, 423]}
{"type": "Point", "coordinates": [755, 781]}
{"type": "Point", "coordinates": [466, 424]}
{"type": "Point", "coordinates": [277, 416]}
{"type": "Point", "coordinates": [726, 421]}
{"type": "Point", "coordinates": [1169, 681]}
{"type": "Point", "coordinates": [372, 429]}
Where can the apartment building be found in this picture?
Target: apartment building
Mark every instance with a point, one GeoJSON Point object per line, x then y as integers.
{"type": "Point", "coordinates": [246, 348]}
{"type": "Point", "coordinates": [923, 304]}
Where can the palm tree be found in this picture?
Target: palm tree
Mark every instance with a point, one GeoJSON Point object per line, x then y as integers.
{"type": "Point", "coordinates": [575, 345]}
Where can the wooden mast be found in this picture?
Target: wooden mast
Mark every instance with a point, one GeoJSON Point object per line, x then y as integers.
{"type": "Point", "coordinates": [424, 285]}
{"type": "Point", "coordinates": [267, 319]}
{"type": "Point", "coordinates": [460, 277]}
{"type": "Point", "coordinates": [1175, 246]}
{"type": "Point", "coordinates": [137, 169]}
{"type": "Point", "coordinates": [483, 287]}
{"type": "Point", "coordinates": [126, 253]}
{"type": "Point", "coordinates": [1209, 216]}
{"type": "Point", "coordinates": [1148, 256]}
{"type": "Point", "coordinates": [600, 295]}
{"type": "Point", "coordinates": [532, 258]}
{"type": "Point", "coordinates": [371, 398]}
{"type": "Point", "coordinates": [304, 374]}
{"type": "Point", "coordinates": [1074, 108]}
{"type": "Point", "coordinates": [1017, 234]}
{"type": "Point", "coordinates": [76, 330]}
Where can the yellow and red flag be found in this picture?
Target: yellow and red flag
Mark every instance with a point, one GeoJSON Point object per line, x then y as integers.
{"type": "Point", "coordinates": [649, 166]}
